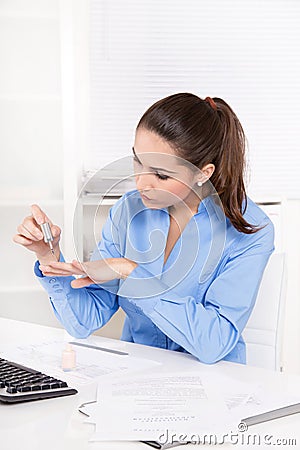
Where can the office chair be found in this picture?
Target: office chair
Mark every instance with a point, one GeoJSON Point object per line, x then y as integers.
{"type": "Point", "coordinates": [263, 333]}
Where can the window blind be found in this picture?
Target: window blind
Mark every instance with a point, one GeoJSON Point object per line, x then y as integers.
{"type": "Point", "coordinates": [245, 52]}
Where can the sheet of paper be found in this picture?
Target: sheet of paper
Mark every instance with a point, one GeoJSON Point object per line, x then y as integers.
{"type": "Point", "coordinates": [263, 400]}
{"type": "Point", "coordinates": [146, 407]}
{"type": "Point", "coordinates": [248, 399]}
{"type": "Point", "coordinates": [90, 363]}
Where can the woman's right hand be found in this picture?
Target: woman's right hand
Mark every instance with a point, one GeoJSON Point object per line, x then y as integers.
{"type": "Point", "coordinates": [30, 236]}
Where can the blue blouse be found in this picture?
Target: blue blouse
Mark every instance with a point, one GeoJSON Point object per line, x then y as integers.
{"type": "Point", "coordinates": [198, 301]}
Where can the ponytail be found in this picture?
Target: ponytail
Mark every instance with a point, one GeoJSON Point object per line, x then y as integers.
{"type": "Point", "coordinates": [228, 177]}
{"type": "Point", "coordinates": [203, 132]}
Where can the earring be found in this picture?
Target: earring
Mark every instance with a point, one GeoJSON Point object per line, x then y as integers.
{"type": "Point", "coordinates": [199, 183]}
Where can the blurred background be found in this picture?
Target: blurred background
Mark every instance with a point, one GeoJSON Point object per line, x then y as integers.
{"type": "Point", "coordinates": [75, 77]}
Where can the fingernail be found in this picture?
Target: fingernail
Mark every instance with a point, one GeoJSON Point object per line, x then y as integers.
{"type": "Point", "coordinates": [39, 220]}
{"type": "Point", "coordinates": [39, 235]}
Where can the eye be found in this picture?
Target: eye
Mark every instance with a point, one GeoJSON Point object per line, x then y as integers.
{"type": "Point", "coordinates": [136, 160]}
{"type": "Point", "coordinates": [161, 176]}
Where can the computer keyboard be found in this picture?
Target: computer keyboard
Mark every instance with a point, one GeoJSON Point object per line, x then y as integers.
{"type": "Point", "coordinates": [19, 384]}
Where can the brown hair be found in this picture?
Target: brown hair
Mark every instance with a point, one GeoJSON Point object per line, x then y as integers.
{"type": "Point", "coordinates": [203, 132]}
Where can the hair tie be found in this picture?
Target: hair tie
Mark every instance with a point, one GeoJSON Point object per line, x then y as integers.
{"type": "Point", "coordinates": [211, 102]}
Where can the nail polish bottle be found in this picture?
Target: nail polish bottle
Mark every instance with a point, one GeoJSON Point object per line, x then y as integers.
{"type": "Point", "coordinates": [68, 359]}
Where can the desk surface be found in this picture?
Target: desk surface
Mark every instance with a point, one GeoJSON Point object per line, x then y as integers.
{"type": "Point", "coordinates": [56, 423]}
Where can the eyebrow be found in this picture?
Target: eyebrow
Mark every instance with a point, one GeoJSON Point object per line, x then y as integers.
{"type": "Point", "coordinates": [153, 168]}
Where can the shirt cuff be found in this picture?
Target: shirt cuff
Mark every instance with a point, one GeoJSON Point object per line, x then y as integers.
{"type": "Point", "coordinates": [56, 287]}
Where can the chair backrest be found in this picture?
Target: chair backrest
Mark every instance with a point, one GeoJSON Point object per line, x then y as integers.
{"type": "Point", "coordinates": [263, 334]}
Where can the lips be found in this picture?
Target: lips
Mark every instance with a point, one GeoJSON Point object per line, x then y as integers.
{"type": "Point", "coordinates": [144, 197]}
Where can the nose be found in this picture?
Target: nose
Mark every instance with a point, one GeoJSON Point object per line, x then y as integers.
{"type": "Point", "coordinates": [144, 181]}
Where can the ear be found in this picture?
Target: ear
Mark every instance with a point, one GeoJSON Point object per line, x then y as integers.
{"type": "Point", "coordinates": [205, 173]}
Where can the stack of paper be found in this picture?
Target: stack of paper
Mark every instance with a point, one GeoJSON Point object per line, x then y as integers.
{"type": "Point", "coordinates": [156, 407]}
{"type": "Point", "coordinates": [198, 406]}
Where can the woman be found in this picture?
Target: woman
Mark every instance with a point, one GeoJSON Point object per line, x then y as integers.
{"type": "Point", "coordinates": [184, 254]}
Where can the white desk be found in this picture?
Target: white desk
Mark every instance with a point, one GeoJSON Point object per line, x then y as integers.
{"type": "Point", "coordinates": [57, 425]}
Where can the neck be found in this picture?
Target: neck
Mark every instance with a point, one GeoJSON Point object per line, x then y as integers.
{"type": "Point", "coordinates": [184, 210]}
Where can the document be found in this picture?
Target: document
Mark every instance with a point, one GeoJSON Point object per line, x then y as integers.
{"type": "Point", "coordinates": [245, 400]}
{"type": "Point", "coordinates": [178, 406]}
{"type": "Point", "coordinates": [262, 401]}
{"type": "Point", "coordinates": [91, 363]}
{"type": "Point", "coordinates": [146, 407]}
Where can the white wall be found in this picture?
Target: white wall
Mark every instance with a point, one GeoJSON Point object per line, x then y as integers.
{"type": "Point", "coordinates": [30, 142]}
{"type": "Point", "coordinates": [41, 137]}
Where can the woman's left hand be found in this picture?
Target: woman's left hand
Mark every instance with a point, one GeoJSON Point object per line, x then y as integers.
{"type": "Point", "coordinates": [95, 271]}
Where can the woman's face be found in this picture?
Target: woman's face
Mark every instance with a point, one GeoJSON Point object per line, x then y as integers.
{"type": "Point", "coordinates": [162, 178]}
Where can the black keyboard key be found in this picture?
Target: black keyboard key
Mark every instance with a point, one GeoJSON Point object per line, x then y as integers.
{"type": "Point", "coordinates": [37, 379]}
{"type": "Point", "coordinates": [11, 390]}
{"type": "Point", "coordinates": [23, 388]}
{"type": "Point", "coordinates": [54, 385]}
{"type": "Point", "coordinates": [22, 376]}
{"type": "Point", "coordinates": [27, 379]}
{"type": "Point", "coordinates": [52, 380]}
{"type": "Point", "coordinates": [5, 379]}
{"type": "Point", "coordinates": [35, 387]}
{"type": "Point", "coordinates": [44, 378]}
{"type": "Point", "coordinates": [26, 369]}
{"type": "Point", "coordinates": [32, 380]}
{"type": "Point", "coordinates": [13, 382]}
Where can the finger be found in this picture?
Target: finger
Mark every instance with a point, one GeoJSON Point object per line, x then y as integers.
{"type": "Point", "coordinates": [47, 271]}
{"type": "Point", "coordinates": [30, 224]}
{"type": "Point", "coordinates": [18, 239]}
{"type": "Point", "coordinates": [68, 267]}
{"type": "Point", "coordinates": [39, 215]}
{"type": "Point", "coordinates": [54, 271]}
{"type": "Point", "coordinates": [60, 268]}
{"type": "Point", "coordinates": [63, 272]}
{"type": "Point", "coordinates": [79, 265]}
{"type": "Point", "coordinates": [55, 274]}
{"type": "Point", "coordinates": [22, 230]}
{"type": "Point", "coordinates": [76, 263]}
{"type": "Point", "coordinates": [60, 265]}
{"type": "Point", "coordinates": [81, 282]}
{"type": "Point", "coordinates": [55, 230]}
